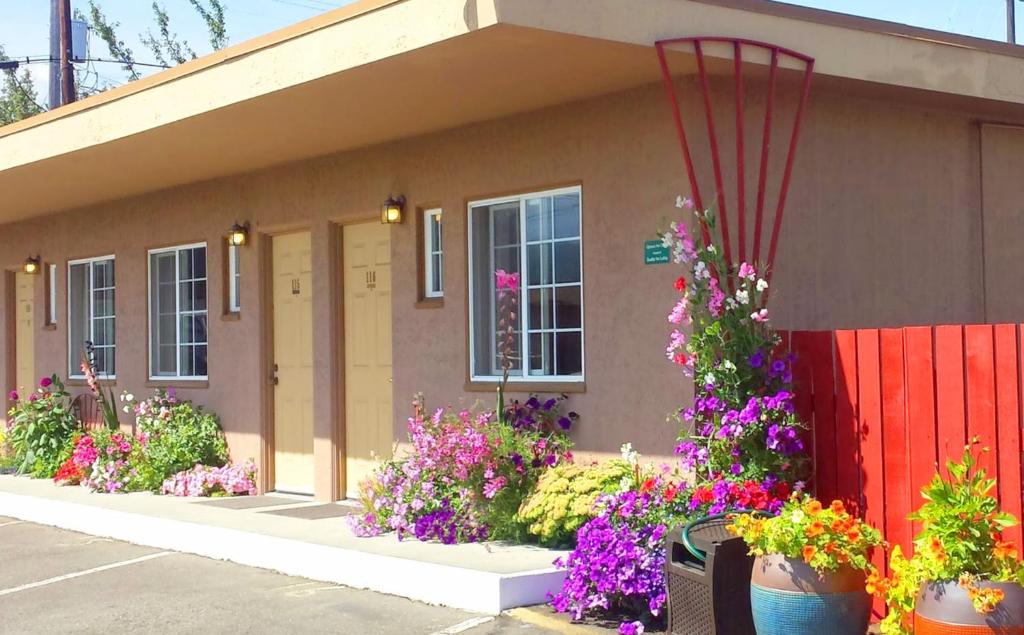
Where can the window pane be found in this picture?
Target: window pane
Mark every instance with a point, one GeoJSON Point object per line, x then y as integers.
{"type": "Point", "coordinates": [78, 315]}
{"type": "Point", "coordinates": [185, 265]}
{"type": "Point", "coordinates": [567, 261]}
{"type": "Point", "coordinates": [436, 273]}
{"type": "Point", "coordinates": [103, 332]}
{"type": "Point", "coordinates": [199, 262]}
{"type": "Point", "coordinates": [569, 356]}
{"type": "Point", "coordinates": [163, 335]}
{"type": "Point", "coordinates": [506, 223]}
{"type": "Point", "coordinates": [538, 263]}
{"type": "Point", "coordinates": [186, 332]}
{"type": "Point", "coordinates": [542, 354]}
{"type": "Point", "coordinates": [185, 293]}
{"type": "Point", "coordinates": [103, 303]}
{"type": "Point", "coordinates": [199, 296]}
{"type": "Point", "coordinates": [185, 365]}
{"type": "Point", "coordinates": [506, 258]}
{"type": "Point", "coordinates": [567, 216]}
{"type": "Point", "coordinates": [102, 274]}
{"type": "Point", "coordinates": [200, 357]}
{"type": "Point", "coordinates": [538, 219]}
{"type": "Point", "coordinates": [435, 232]}
{"type": "Point", "coordinates": [540, 310]}
{"type": "Point", "coordinates": [199, 328]}
{"type": "Point", "coordinates": [568, 309]}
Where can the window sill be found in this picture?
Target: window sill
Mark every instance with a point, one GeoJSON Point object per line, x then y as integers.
{"type": "Point", "coordinates": [430, 303]}
{"type": "Point", "coordinates": [79, 382]}
{"type": "Point", "coordinates": [548, 387]}
{"type": "Point", "coordinates": [170, 382]}
{"type": "Point", "coordinates": [232, 316]}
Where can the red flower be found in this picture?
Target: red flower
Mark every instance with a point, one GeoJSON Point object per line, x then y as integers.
{"type": "Point", "coordinates": [680, 284]}
{"type": "Point", "coordinates": [647, 486]}
{"type": "Point", "coordinates": [670, 494]}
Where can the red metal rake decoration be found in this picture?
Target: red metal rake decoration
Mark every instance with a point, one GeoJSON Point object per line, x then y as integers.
{"type": "Point", "coordinates": [776, 54]}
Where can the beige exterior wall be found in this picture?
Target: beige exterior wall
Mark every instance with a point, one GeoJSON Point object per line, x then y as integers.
{"type": "Point", "coordinates": [883, 228]}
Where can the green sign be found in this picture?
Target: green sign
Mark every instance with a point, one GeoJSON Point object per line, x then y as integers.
{"type": "Point", "coordinates": [655, 253]}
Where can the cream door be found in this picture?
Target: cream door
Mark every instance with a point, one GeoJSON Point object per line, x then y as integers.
{"type": "Point", "coordinates": [24, 306]}
{"type": "Point", "coordinates": [293, 360]}
{"type": "Point", "coordinates": [368, 415]}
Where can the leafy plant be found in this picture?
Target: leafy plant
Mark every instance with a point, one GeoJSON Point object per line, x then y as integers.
{"type": "Point", "coordinates": [565, 496]}
{"type": "Point", "coordinates": [960, 540]}
{"type": "Point", "coordinates": [174, 435]}
{"type": "Point", "coordinates": [40, 428]}
{"type": "Point", "coordinates": [826, 538]}
{"type": "Point", "coordinates": [105, 399]}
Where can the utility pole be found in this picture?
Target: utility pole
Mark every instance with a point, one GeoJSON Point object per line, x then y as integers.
{"type": "Point", "coordinates": [67, 76]}
{"type": "Point", "coordinates": [54, 92]}
{"type": "Point", "coordinates": [1011, 22]}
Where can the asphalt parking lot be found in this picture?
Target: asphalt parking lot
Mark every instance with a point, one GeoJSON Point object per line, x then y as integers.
{"type": "Point", "coordinates": [57, 581]}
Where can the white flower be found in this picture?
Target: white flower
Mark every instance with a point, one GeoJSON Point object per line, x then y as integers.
{"type": "Point", "coordinates": [709, 378]}
{"type": "Point", "coordinates": [742, 296]}
{"type": "Point", "coordinates": [728, 365]}
{"type": "Point", "coordinates": [680, 202]}
{"type": "Point", "coordinates": [762, 284]}
{"type": "Point", "coordinates": [130, 397]}
{"type": "Point", "coordinates": [666, 240]}
{"type": "Point", "coordinates": [730, 304]}
{"type": "Point", "coordinates": [712, 249]}
{"type": "Point", "coordinates": [629, 455]}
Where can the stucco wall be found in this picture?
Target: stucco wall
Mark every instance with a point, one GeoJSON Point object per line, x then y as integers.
{"type": "Point", "coordinates": [883, 228]}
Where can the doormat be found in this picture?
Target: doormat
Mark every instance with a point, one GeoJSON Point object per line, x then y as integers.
{"type": "Point", "coordinates": [315, 512]}
{"type": "Point", "coordinates": [247, 502]}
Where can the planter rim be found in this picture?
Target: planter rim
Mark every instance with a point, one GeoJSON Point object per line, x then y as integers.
{"type": "Point", "coordinates": [777, 572]}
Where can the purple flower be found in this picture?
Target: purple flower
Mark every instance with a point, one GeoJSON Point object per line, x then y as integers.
{"type": "Point", "coordinates": [565, 423]}
{"type": "Point", "coordinates": [13, 395]}
{"type": "Point", "coordinates": [756, 360]}
{"type": "Point", "coordinates": [45, 382]}
{"type": "Point", "coordinates": [550, 403]}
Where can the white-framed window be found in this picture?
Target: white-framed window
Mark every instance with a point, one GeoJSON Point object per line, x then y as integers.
{"type": "Point", "coordinates": [234, 280]}
{"type": "Point", "coordinates": [433, 254]}
{"type": "Point", "coordinates": [178, 313]}
{"type": "Point", "coordinates": [91, 315]}
{"type": "Point", "coordinates": [51, 295]}
{"type": "Point", "coordinates": [539, 236]}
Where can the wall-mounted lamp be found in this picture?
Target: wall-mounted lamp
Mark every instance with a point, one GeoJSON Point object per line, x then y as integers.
{"type": "Point", "coordinates": [391, 210]}
{"type": "Point", "coordinates": [239, 235]}
{"type": "Point", "coordinates": [32, 264]}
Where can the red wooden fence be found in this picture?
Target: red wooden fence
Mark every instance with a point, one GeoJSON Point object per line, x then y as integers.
{"type": "Point", "coordinates": [887, 405]}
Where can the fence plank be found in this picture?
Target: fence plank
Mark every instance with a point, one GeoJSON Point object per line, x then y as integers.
{"type": "Point", "coordinates": [949, 392]}
{"type": "Point", "coordinates": [869, 424]}
{"type": "Point", "coordinates": [981, 393]}
{"type": "Point", "coordinates": [920, 410]}
{"type": "Point", "coordinates": [819, 354]}
{"type": "Point", "coordinates": [897, 457]}
{"type": "Point", "coordinates": [847, 437]}
{"type": "Point", "coordinates": [1008, 431]}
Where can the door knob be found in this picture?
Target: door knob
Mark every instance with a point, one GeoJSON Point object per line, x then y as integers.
{"type": "Point", "coordinates": [273, 377]}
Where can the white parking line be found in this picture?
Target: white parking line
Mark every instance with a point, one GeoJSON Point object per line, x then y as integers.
{"type": "Point", "coordinates": [78, 574]}
{"type": "Point", "coordinates": [465, 626]}
{"type": "Point", "coordinates": [13, 522]}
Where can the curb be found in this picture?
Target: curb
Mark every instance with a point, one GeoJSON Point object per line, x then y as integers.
{"type": "Point", "coordinates": [439, 584]}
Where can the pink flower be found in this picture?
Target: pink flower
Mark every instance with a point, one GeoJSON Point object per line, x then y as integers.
{"type": "Point", "coordinates": [45, 382]}
{"type": "Point", "coordinates": [505, 281]}
{"type": "Point", "coordinates": [716, 300]}
{"type": "Point", "coordinates": [13, 395]}
{"type": "Point", "coordinates": [747, 272]}
{"type": "Point", "coordinates": [759, 316]}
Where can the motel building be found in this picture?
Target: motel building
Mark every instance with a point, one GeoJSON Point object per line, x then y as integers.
{"type": "Point", "coordinates": [300, 232]}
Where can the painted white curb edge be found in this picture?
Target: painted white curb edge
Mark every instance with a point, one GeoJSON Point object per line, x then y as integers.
{"type": "Point", "coordinates": [467, 589]}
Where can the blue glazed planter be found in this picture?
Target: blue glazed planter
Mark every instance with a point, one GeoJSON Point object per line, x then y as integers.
{"type": "Point", "coordinates": [787, 597]}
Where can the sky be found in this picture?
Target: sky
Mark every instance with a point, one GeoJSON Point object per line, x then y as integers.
{"type": "Point", "coordinates": [24, 24]}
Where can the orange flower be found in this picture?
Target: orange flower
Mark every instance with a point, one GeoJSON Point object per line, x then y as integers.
{"type": "Point", "coordinates": [842, 557]}
{"type": "Point", "coordinates": [837, 525]}
{"type": "Point", "coordinates": [876, 584]}
{"type": "Point", "coordinates": [830, 548]}
{"type": "Point", "coordinates": [1005, 549]}
{"type": "Point", "coordinates": [816, 528]}
{"type": "Point", "coordinates": [813, 507]}
{"type": "Point", "coordinates": [853, 534]}
{"type": "Point", "coordinates": [809, 552]}
{"type": "Point", "coordinates": [837, 507]}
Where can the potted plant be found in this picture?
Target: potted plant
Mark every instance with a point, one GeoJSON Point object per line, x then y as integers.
{"type": "Point", "coordinates": [809, 570]}
{"type": "Point", "coordinates": [963, 577]}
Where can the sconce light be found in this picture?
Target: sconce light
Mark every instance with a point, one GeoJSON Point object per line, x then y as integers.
{"type": "Point", "coordinates": [239, 235]}
{"type": "Point", "coordinates": [391, 210]}
{"type": "Point", "coordinates": [32, 264]}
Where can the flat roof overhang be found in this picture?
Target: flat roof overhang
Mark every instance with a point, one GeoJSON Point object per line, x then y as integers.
{"type": "Point", "coordinates": [381, 70]}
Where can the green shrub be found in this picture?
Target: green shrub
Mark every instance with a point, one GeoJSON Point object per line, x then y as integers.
{"type": "Point", "coordinates": [40, 429]}
{"type": "Point", "coordinates": [175, 435]}
{"type": "Point", "coordinates": [564, 499]}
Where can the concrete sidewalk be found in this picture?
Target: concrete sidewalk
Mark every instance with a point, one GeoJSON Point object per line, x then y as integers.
{"type": "Point", "coordinates": [313, 541]}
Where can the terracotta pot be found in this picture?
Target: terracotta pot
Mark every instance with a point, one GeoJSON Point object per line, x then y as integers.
{"type": "Point", "coordinates": [788, 597]}
{"type": "Point", "coordinates": [944, 608]}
